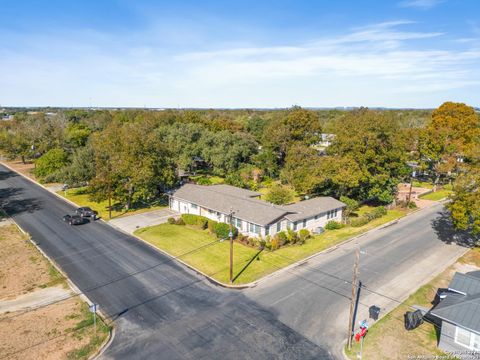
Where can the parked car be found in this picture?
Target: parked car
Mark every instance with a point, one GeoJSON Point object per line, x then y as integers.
{"type": "Point", "coordinates": [86, 212]}
{"type": "Point", "coordinates": [74, 219]}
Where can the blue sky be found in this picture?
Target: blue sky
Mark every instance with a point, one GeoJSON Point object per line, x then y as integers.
{"type": "Point", "coordinates": [405, 53]}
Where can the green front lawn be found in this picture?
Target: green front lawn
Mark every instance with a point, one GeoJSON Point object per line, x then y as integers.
{"type": "Point", "coordinates": [423, 184]}
{"type": "Point", "coordinates": [437, 195]}
{"type": "Point", "coordinates": [80, 197]}
{"type": "Point", "coordinates": [249, 263]}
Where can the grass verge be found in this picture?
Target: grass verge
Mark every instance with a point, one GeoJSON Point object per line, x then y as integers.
{"type": "Point", "coordinates": [80, 197]}
{"type": "Point", "coordinates": [437, 195]}
{"type": "Point", "coordinates": [201, 250]}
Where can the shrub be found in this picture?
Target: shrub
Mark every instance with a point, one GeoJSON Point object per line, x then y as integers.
{"type": "Point", "coordinates": [211, 225]}
{"type": "Point", "coordinates": [50, 162]}
{"type": "Point", "coordinates": [171, 221]}
{"type": "Point", "coordinates": [222, 230]}
{"type": "Point", "coordinates": [333, 225]}
{"type": "Point", "coordinates": [360, 221]}
{"type": "Point", "coordinates": [268, 246]}
{"type": "Point", "coordinates": [281, 237]}
{"type": "Point", "coordinates": [202, 222]}
{"type": "Point", "coordinates": [203, 181]}
{"type": "Point", "coordinates": [412, 205]}
{"type": "Point", "coordinates": [262, 244]}
{"type": "Point", "coordinates": [376, 213]}
{"type": "Point", "coordinates": [303, 235]}
{"type": "Point", "coordinates": [180, 221]}
{"type": "Point", "coordinates": [292, 236]}
{"type": "Point", "coordinates": [190, 219]}
{"type": "Point", "coordinates": [274, 243]}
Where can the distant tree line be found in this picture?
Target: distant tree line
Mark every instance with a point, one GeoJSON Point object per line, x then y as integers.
{"type": "Point", "coordinates": [133, 156]}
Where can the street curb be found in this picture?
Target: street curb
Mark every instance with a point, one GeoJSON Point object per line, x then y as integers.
{"type": "Point", "coordinates": [70, 283]}
{"type": "Point", "coordinates": [208, 277]}
{"type": "Point", "coordinates": [253, 283]}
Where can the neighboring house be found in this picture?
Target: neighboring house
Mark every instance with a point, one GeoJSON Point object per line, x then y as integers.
{"type": "Point", "coordinates": [252, 216]}
{"type": "Point", "coordinates": [459, 313]}
{"type": "Point", "coordinates": [325, 141]}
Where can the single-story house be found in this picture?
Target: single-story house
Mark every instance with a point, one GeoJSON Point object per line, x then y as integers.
{"type": "Point", "coordinates": [252, 216]}
{"type": "Point", "coordinates": [459, 312]}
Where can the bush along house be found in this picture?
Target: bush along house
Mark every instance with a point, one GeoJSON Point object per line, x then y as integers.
{"type": "Point", "coordinates": [251, 216]}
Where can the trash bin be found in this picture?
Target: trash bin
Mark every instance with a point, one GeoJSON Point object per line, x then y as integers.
{"type": "Point", "coordinates": [374, 311]}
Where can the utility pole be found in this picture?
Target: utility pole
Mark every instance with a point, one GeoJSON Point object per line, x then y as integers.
{"type": "Point", "coordinates": [354, 296]}
{"type": "Point", "coordinates": [410, 192]}
{"type": "Point", "coordinates": [230, 234]}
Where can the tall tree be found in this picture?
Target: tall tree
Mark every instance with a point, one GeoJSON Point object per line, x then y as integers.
{"type": "Point", "coordinates": [449, 138]}
{"type": "Point", "coordinates": [371, 143]}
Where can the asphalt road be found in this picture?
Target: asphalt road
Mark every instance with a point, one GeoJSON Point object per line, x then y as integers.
{"type": "Point", "coordinates": [163, 311]}
{"type": "Point", "coordinates": [160, 309]}
{"type": "Point", "coordinates": [313, 298]}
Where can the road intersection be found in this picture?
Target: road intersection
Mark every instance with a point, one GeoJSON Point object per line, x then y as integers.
{"type": "Point", "coordinates": [161, 309]}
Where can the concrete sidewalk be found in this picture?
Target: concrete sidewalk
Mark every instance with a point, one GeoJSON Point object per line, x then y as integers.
{"type": "Point", "coordinates": [35, 299]}
{"type": "Point", "coordinates": [133, 222]}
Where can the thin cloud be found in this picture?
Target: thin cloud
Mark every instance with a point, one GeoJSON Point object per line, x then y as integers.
{"type": "Point", "coordinates": [420, 4]}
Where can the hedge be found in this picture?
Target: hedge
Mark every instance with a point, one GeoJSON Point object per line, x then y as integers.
{"type": "Point", "coordinates": [190, 219]}
{"type": "Point", "coordinates": [365, 219]}
{"type": "Point", "coordinates": [222, 230]}
{"type": "Point", "coordinates": [333, 225]}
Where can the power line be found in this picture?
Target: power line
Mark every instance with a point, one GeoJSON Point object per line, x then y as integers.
{"type": "Point", "coordinates": [359, 302]}
{"type": "Point", "coordinates": [114, 316]}
{"type": "Point", "coordinates": [123, 277]}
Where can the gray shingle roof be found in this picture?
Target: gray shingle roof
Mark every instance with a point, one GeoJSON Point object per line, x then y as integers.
{"type": "Point", "coordinates": [312, 207]}
{"type": "Point", "coordinates": [458, 309]}
{"type": "Point", "coordinates": [222, 198]}
{"type": "Point", "coordinates": [465, 283]}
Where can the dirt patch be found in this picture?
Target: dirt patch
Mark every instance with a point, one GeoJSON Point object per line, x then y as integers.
{"type": "Point", "coordinates": [25, 169]}
{"type": "Point", "coordinates": [58, 331]}
{"type": "Point", "coordinates": [62, 330]}
{"type": "Point", "coordinates": [22, 268]}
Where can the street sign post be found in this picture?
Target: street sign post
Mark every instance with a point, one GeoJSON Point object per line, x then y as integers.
{"type": "Point", "coordinates": [93, 309]}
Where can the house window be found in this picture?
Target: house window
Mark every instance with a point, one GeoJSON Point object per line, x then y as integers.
{"type": "Point", "coordinates": [237, 223]}
{"type": "Point", "coordinates": [254, 228]}
{"type": "Point", "coordinates": [336, 212]}
{"type": "Point", "coordinates": [267, 230]}
{"type": "Point", "coordinates": [476, 341]}
{"type": "Point", "coordinates": [304, 223]}
{"type": "Point", "coordinates": [279, 226]}
{"type": "Point", "coordinates": [295, 226]}
{"type": "Point", "coordinates": [194, 206]}
{"type": "Point", "coordinates": [463, 337]}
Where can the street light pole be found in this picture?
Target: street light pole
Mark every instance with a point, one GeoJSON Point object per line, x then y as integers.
{"type": "Point", "coordinates": [231, 246]}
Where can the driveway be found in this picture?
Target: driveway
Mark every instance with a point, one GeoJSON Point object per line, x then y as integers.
{"type": "Point", "coordinates": [313, 298]}
{"type": "Point", "coordinates": [35, 299]}
{"type": "Point", "coordinates": [133, 222]}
